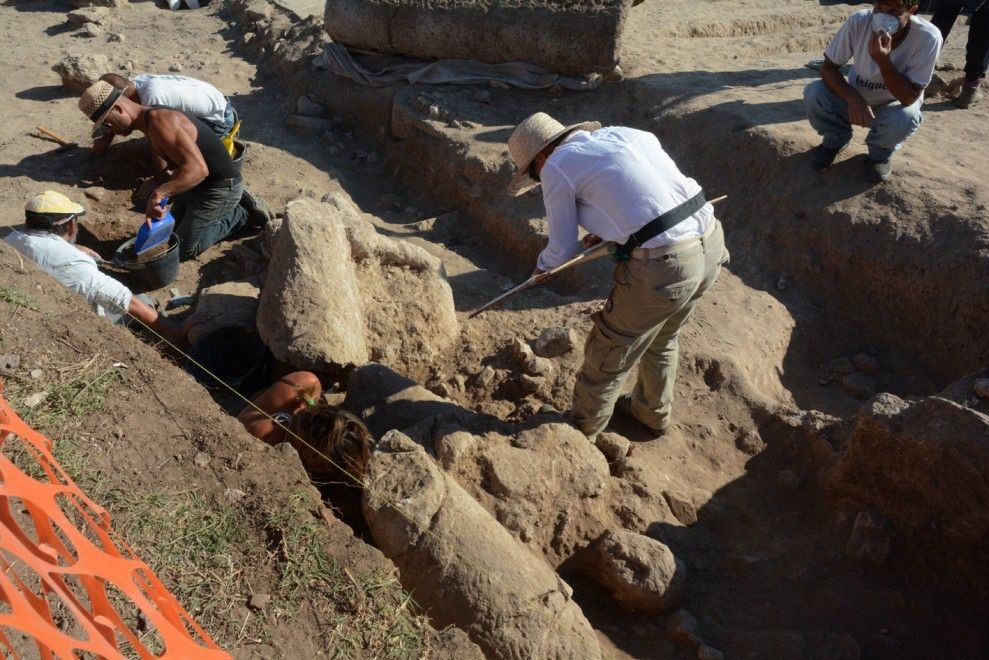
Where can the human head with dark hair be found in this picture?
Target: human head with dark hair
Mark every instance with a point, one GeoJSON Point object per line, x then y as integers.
{"type": "Point", "coordinates": [335, 446]}
{"type": "Point", "coordinates": [55, 213]}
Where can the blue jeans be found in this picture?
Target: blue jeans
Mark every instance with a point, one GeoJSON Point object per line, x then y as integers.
{"type": "Point", "coordinates": [207, 215]}
{"type": "Point", "coordinates": [828, 114]}
{"type": "Point", "coordinates": [229, 119]}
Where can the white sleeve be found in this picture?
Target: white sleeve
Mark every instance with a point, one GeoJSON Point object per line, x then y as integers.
{"type": "Point", "coordinates": [920, 70]}
{"type": "Point", "coordinates": [841, 48]}
{"type": "Point", "coordinates": [561, 215]}
{"type": "Point", "coordinates": [98, 288]}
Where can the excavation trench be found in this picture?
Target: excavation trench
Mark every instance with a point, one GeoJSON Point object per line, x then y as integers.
{"type": "Point", "coordinates": [817, 272]}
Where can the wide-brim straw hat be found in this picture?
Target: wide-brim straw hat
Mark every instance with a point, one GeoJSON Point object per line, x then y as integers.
{"type": "Point", "coordinates": [97, 101]}
{"type": "Point", "coordinates": [529, 138]}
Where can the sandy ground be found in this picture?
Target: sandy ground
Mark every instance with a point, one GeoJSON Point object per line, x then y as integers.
{"type": "Point", "coordinates": [768, 578]}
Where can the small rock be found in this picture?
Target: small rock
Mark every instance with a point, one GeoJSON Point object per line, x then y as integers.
{"type": "Point", "coordinates": [485, 377]}
{"type": "Point", "coordinates": [520, 350]}
{"type": "Point", "coordinates": [859, 385]}
{"type": "Point", "coordinates": [530, 384]}
{"type": "Point", "coordinates": [613, 446]}
{"type": "Point", "coordinates": [35, 399]}
{"type": "Point", "coordinates": [9, 364]}
{"type": "Point", "coordinates": [781, 283]}
{"type": "Point", "coordinates": [751, 442]}
{"type": "Point", "coordinates": [682, 626]}
{"type": "Point", "coordinates": [705, 652]}
{"type": "Point", "coordinates": [115, 37]}
{"type": "Point", "coordinates": [869, 540]}
{"type": "Point", "coordinates": [175, 68]}
{"type": "Point", "coordinates": [259, 602]}
{"type": "Point", "coordinates": [556, 341]}
{"type": "Point", "coordinates": [435, 112]}
{"type": "Point", "coordinates": [482, 96]}
{"type": "Point", "coordinates": [841, 365]}
{"type": "Point", "coordinates": [538, 366]}
{"type": "Point", "coordinates": [287, 449]}
{"type": "Point", "coordinates": [92, 30]}
{"type": "Point", "coordinates": [682, 508]}
{"type": "Point", "coordinates": [641, 573]}
{"type": "Point", "coordinates": [80, 71]}
{"type": "Point", "coordinates": [37, 373]}
{"type": "Point", "coordinates": [788, 479]}
{"type": "Point", "coordinates": [309, 108]}
{"type": "Point", "coordinates": [234, 494]}
{"type": "Point", "coordinates": [95, 194]}
{"type": "Point", "coordinates": [201, 459]}
{"type": "Point", "coordinates": [865, 363]}
{"type": "Point", "coordinates": [981, 387]}
{"type": "Point", "coordinates": [460, 382]}
{"type": "Point", "coordinates": [85, 15]}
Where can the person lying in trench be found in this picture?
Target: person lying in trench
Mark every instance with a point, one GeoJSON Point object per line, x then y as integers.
{"type": "Point", "coordinates": [334, 445]}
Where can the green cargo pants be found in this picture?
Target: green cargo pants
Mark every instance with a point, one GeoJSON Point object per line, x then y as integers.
{"type": "Point", "coordinates": [650, 302]}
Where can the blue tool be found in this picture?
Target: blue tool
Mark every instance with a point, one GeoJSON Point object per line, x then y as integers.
{"type": "Point", "coordinates": [148, 238]}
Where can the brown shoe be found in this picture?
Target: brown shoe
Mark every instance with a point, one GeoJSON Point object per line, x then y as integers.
{"type": "Point", "coordinates": [624, 407]}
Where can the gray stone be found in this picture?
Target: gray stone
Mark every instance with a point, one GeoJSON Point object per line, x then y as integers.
{"type": "Point", "coordinates": [80, 71]}
{"type": "Point", "coordinates": [484, 378]}
{"type": "Point", "coordinates": [869, 540]}
{"type": "Point", "coordinates": [9, 364]}
{"type": "Point", "coordinates": [788, 479]}
{"type": "Point", "coordinates": [553, 342]}
{"type": "Point", "coordinates": [865, 363]}
{"type": "Point", "coordinates": [538, 366]}
{"type": "Point", "coordinates": [640, 572]}
{"type": "Point", "coordinates": [34, 400]}
{"type": "Point", "coordinates": [681, 507]}
{"type": "Point", "coordinates": [202, 459]}
{"type": "Point", "coordinates": [258, 602]}
{"type": "Point", "coordinates": [115, 37]}
{"type": "Point", "coordinates": [37, 373]}
{"type": "Point", "coordinates": [613, 446]}
{"type": "Point", "coordinates": [519, 350]}
{"type": "Point", "coordinates": [175, 68]}
{"type": "Point", "coordinates": [92, 30]}
{"type": "Point", "coordinates": [568, 37]}
{"type": "Point", "coordinates": [859, 385]}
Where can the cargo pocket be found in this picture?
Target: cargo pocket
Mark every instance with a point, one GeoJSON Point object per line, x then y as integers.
{"type": "Point", "coordinates": [608, 351]}
{"type": "Point", "coordinates": [678, 291]}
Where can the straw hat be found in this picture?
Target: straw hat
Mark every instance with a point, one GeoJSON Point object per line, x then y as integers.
{"type": "Point", "coordinates": [529, 138]}
{"type": "Point", "coordinates": [98, 100]}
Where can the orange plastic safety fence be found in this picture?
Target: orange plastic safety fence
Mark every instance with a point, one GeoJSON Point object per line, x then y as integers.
{"type": "Point", "coordinates": [59, 570]}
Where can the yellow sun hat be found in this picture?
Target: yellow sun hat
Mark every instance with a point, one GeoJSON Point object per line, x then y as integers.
{"type": "Point", "coordinates": [53, 203]}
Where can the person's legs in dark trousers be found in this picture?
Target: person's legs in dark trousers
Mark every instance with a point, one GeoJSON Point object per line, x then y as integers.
{"type": "Point", "coordinates": [945, 14]}
{"type": "Point", "coordinates": [208, 216]}
{"type": "Point", "coordinates": [977, 49]}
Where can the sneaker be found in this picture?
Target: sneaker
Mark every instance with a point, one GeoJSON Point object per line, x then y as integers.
{"type": "Point", "coordinates": [878, 171]}
{"type": "Point", "coordinates": [624, 407]}
{"type": "Point", "coordinates": [822, 157]}
{"type": "Point", "coordinates": [258, 212]}
{"type": "Point", "coordinates": [968, 97]}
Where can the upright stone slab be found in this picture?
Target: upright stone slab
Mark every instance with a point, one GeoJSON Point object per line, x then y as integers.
{"type": "Point", "coordinates": [566, 36]}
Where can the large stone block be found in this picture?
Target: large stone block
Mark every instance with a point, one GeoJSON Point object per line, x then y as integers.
{"type": "Point", "coordinates": [463, 566]}
{"type": "Point", "coordinates": [336, 292]}
{"type": "Point", "coordinates": [565, 36]}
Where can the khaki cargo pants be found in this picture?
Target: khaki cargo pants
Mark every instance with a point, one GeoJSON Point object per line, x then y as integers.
{"type": "Point", "coordinates": [650, 302]}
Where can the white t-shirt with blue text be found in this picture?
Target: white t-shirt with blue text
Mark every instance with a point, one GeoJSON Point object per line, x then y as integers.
{"type": "Point", "coordinates": [914, 57]}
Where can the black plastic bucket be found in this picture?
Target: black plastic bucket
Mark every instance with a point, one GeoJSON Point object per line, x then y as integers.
{"type": "Point", "coordinates": [153, 273]}
{"type": "Point", "coordinates": [235, 354]}
{"type": "Point", "coordinates": [240, 150]}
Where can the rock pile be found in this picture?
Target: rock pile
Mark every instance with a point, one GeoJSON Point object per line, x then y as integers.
{"type": "Point", "coordinates": [338, 293]}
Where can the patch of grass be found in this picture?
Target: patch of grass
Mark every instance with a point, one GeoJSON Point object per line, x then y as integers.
{"type": "Point", "coordinates": [17, 299]}
{"type": "Point", "coordinates": [369, 614]}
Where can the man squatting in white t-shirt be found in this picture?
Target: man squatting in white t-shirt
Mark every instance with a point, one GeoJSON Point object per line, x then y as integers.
{"type": "Point", "coordinates": [893, 54]}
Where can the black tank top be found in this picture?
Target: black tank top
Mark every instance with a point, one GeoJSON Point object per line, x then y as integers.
{"type": "Point", "coordinates": [218, 161]}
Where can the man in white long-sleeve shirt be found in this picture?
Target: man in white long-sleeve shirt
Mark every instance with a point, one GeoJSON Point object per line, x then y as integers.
{"type": "Point", "coordinates": [48, 239]}
{"type": "Point", "coordinates": [619, 185]}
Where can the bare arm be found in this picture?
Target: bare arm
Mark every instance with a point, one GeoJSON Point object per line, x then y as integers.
{"type": "Point", "coordinates": [898, 84]}
{"type": "Point", "coordinates": [859, 112]}
{"type": "Point", "coordinates": [174, 136]}
{"type": "Point", "coordinates": [160, 324]}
